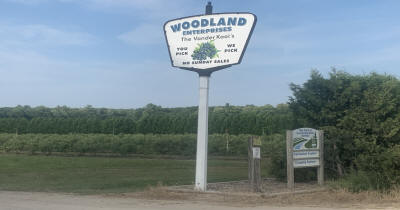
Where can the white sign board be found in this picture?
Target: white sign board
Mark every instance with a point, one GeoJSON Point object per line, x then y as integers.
{"type": "Point", "coordinates": [208, 41]}
{"type": "Point", "coordinates": [305, 163]}
{"type": "Point", "coordinates": [305, 148]}
{"type": "Point", "coordinates": [305, 139]}
{"type": "Point", "coordinates": [256, 153]}
{"type": "Point", "coordinates": [305, 154]}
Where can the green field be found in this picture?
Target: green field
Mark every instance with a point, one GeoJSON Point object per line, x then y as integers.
{"type": "Point", "coordinates": [106, 175]}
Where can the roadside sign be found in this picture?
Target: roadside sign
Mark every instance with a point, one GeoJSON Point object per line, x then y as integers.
{"type": "Point", "coordinates": [204, 44]}
{"type": "Point", "coordinates": [305, 143]}
{"type": "Point", "coordinates": [209, 42]}
{"type": "Point", "coordinates": [304, 148]}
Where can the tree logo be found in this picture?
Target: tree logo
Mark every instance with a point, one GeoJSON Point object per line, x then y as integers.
{"type": "Point", "coordinates": [204, 50]}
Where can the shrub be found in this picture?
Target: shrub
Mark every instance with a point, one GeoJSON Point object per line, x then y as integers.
{"type": "Point", "coordinates": [123, 144]}
{"type": "Point", "coordinates": [274, 147]}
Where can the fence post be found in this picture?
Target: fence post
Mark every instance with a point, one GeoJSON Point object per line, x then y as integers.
{"type": "Point", "coordinates": [321, 158]}
{"type": "Point", "coordinates": [257, 167]}
{"type": "Point", "coordinates": [255, 164]}
{"type": "Point", "coordinates": [289, 160]}
{"type": "Point", "coordinates": [251, 162]}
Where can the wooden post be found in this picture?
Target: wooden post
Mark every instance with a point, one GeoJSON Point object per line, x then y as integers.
{"type": "Point", "coordinates": [289, 160]}
{"type": "Point", "coordinates": [254, 172]}
{"type": "Point", "coordinates": [251, 162]}
{"type": "Point", "coordinates": [257, 164]}
{"type": "Point", "coordinates": [321, 158]}
{"type": "Point", "coordinates": [257, 174]}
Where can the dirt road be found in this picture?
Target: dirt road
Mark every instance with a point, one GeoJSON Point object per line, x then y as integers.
{"type": "Point", "coordinates": [54, 201]}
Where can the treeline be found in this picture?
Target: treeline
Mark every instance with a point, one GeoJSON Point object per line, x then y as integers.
{"type": "Point", "coordinates": [128, 144]}
{"type": "Point", "coordinates": [151, 119]}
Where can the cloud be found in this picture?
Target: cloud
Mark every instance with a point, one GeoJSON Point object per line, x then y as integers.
{"type": "Point", "coordinates": [144, 35]}
{"type": "Point", "coordinates": [143, 9]}
{"type": "Point", "coordinates": [146, 9]}
{"type": "Point", "coordinates": [27, 2]}
{"type": "Point", "coordinates": [41, 35]}
{"type": "Point", "coordinates": [139, 4]}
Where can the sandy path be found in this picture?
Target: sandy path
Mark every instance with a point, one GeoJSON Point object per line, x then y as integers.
{"type": "Point", "coordinates": [53, 201]}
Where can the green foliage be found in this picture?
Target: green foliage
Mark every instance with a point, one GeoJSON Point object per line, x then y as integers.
{"type": "Point", "coordinates": [274, 147]}
{"type": "Point", "coordinates": [357, 181]}
{"type": "Point", "coordinates": [151, 119]}
{"type": "Point", "coordinates": [361, 119]}
{"type": "Point", "coordinates": [123, 144]}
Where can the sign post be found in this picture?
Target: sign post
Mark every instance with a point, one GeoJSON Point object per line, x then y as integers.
{"type": "Point", "coordinates": [254, 167]}
{"type": "Point", "coordinates": [202, 135]}
{"type": "Point", "coordinates": [289, 160]}
{"type": "Point", "coordinates": [304, 148]}
{"type": "Point", "coordinates": [320, 174]}
{"type": "Point", "coordinates": [202, 127]}
{"type": "Point", "coordinates": [204, 44]}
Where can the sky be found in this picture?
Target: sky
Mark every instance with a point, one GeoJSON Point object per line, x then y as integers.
{"type": "Point", "coordinates": [113, 54]}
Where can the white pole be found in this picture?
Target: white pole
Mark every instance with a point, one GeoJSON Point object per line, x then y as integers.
{"type": "Point", "coordinates": [202, 136]}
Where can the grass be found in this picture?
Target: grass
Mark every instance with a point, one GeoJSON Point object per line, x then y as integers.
{"type": "Point", "coordinates": [92, 175]}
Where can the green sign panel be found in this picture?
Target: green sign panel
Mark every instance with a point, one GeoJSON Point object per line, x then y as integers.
{"type": "Point", "coordinates": [305, 138]}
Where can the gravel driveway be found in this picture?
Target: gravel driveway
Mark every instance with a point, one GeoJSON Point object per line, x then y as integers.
{"type": "Point", "coordinates": [55, 201]}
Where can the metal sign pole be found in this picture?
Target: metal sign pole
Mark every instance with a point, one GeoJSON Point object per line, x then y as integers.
{"type": "Point", "coordinates": [202, 135]}
{"type": "Point", "coordinates": [202, 128]}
